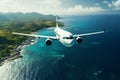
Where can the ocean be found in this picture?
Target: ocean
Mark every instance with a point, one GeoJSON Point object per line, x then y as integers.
{"type": "Point", "coordinates": [97, 58]}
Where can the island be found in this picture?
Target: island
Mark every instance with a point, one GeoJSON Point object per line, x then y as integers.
{"type": "Point", "coordinates": [10, 45]}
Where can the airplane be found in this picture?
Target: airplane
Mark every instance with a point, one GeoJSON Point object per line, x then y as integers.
{"type": "Point", "coordinates": [63, 36]}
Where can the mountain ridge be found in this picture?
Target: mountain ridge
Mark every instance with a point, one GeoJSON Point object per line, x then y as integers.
{"type": "Point", "coordinates": [8, 17]}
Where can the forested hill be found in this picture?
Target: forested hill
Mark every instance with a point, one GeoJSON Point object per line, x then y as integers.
{"type": "Point", "coordinates": [9, 17]}
{"type": "Point", "coordinates": [25, 22]}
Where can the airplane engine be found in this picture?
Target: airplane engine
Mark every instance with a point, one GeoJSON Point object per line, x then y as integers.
{"type": "Point", "coordinates": [48, 42]}
{"type": "Point", "coordinates": [79, 40]}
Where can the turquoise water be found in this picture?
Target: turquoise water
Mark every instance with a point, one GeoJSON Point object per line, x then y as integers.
{"type": "Point", "coordinates": [97, 58]}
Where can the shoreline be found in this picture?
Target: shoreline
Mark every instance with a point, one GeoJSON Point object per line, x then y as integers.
{"type": "Point", "coordinates": [17, 51]}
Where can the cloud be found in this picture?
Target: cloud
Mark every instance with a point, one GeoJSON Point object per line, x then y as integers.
{"type": "Point", "coordinates": [97, 4]}
{"type": "Point", "coordinates": [45, 7]}
{"type": "Point", "coordinates": [105, 2]}
{"type": "Point", "coordinates": [116, 4]}
{"type": "Point", "coordinates": [110, 5]}
{"type": "Point", "coordinates": [79, 9]}
{"type": "Point", "coordinates": [76, 10]}
{"type": "Point", "coordinates": [12, 6]}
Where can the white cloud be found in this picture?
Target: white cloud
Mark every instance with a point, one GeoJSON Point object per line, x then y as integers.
{"type": "Point", "coordinates": [105, 2]}
{"type": "Point", "coordinates": [116, 4]}
{"type": "Point", "coordinates": [83, 10]}
{"type": "Point", "coordinates": [97, 4]}
{"type": "Point", "coordinates": [45, 7]}
{"type": "Point", "coordinates": [110, 5]}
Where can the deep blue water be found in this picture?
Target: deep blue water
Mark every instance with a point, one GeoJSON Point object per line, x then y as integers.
{"type": "Point", "coordinates": [97, 58]}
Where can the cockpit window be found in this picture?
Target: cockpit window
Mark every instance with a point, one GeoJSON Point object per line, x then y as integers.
{"type": "Point", "coordinates": [71, 37]}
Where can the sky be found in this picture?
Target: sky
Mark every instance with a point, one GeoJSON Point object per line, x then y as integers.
{"type": "Point", "coordinates": [61, 7]}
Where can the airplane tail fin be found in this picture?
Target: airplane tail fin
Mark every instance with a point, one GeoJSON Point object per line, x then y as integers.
{"type": "Point", "coordinates": [56, 25]}
{"type": "Point", "coordinates": [56, 22]}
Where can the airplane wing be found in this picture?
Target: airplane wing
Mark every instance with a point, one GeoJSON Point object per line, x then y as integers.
{"type": "Point", "coordinates": [34, 35]}
{"type": "Point", "coordinates": [87, 34]}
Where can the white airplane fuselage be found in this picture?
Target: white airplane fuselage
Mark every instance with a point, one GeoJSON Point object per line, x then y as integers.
{"type": "Point", "coordinates": [65, 37]}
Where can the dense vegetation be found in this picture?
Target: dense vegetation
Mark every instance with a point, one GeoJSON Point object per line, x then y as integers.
{"type": "Point", "coordinates": [19, 22]}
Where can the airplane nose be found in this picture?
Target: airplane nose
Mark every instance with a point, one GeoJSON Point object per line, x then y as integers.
{"type": "Point", "coordinates": [70, 42]}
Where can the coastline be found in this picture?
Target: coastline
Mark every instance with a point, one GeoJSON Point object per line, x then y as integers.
{"type": "Point", "coordinates": [17, 51]}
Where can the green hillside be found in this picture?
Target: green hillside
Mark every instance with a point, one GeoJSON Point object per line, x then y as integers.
{"type": "Point", "coordinates": [9, 17]}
